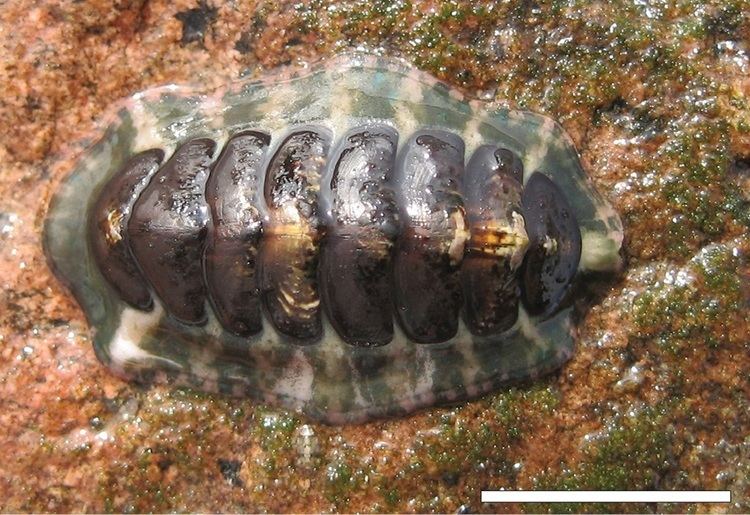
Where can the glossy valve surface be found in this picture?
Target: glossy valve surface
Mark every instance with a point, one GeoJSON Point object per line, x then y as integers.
{"type": "Point", "coordinates": [368, 230]}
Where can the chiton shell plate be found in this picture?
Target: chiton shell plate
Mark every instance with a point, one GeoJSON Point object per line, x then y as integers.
{"type": "Point", "coordinates": [329, 380]}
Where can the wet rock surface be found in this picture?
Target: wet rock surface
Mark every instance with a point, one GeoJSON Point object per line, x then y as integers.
{"type": "Point", "coordinates": [655, 97]}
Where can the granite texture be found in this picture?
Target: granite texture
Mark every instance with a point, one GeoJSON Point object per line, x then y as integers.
{"type": "Point", "coordinates": [655, 96]}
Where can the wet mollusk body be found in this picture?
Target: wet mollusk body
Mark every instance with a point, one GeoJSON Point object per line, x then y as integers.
{"type": "Point", "coordinates": [355, 241]}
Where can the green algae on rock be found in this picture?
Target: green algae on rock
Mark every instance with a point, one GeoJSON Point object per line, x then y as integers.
{"type": "Point", "coordinates": [327, 380]}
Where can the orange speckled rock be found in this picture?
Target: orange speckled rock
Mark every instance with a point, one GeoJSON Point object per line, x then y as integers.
{"type": "Point", "coordinates": [656, 396]}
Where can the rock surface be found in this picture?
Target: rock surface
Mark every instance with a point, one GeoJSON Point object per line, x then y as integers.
{"type": "Point", "coordinates": [656, 96]}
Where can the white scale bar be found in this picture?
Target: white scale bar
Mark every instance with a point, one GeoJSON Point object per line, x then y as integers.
{"type": "Point", "coordinates": [550, 496]}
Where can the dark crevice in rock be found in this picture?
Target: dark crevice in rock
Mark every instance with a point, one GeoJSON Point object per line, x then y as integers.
{"type": "Point", "coordinates": [230, 470]}
{"type": "Point", "coordinates": [196, 21]}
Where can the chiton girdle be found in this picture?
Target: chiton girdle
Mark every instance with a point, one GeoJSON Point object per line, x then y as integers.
{"type": "Point", "coordinates": [450, 286]}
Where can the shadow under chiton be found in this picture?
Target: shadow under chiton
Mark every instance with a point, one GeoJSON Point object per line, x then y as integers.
{"type": "Point", "coordinates": [355, 241]}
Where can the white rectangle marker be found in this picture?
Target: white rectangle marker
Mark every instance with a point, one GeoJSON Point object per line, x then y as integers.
{"type": "Point", "coordinates": [552, 496]}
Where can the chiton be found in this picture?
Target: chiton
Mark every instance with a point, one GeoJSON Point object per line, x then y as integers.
{"type": "Point", "coordinates": [353, 240]}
